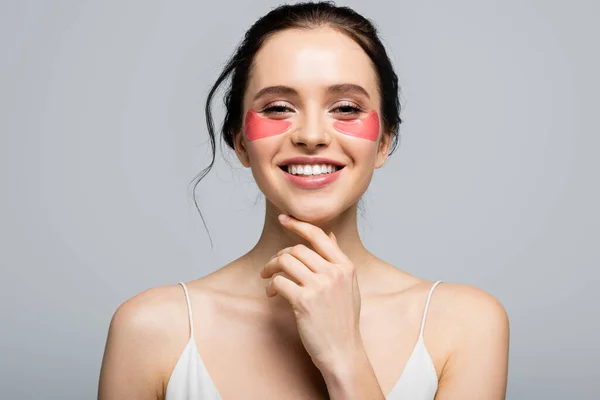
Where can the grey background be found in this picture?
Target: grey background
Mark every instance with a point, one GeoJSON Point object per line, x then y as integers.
{"type": "Point", "coordinates": [102, 128]}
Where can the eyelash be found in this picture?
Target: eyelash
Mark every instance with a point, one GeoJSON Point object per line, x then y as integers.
{"type": "Point", "coordinates": [354, 109]}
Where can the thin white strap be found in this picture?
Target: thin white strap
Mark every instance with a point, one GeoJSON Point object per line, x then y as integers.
{"type": "Point", "coordinates": [427, 307]}
{"type": "Point", "coordinates": [187, 299]}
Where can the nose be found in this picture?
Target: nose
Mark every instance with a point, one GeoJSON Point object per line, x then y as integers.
{"type": "Point", "coordinates": [312, 132]}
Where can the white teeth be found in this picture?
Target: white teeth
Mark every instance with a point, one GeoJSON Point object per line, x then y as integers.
{"type": "Point", "coordinates": [307, 170]}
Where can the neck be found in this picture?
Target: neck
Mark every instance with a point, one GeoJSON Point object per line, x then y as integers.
{"type": "Point", "coordinates": [275, 237]}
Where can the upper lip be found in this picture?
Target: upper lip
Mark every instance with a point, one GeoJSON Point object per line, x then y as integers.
{"type": "Point", "coordinates": [310, 160]}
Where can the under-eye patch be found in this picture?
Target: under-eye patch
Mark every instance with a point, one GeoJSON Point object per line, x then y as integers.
{"type": "Point", "coordinates": [366, 128]}
{"type": "Point", "coordinates": [257, 127]}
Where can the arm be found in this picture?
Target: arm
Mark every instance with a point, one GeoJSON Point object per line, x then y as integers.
{"type": "Point", "coordinates": [130, 362]}
{"type": "Point", "coordinates": [352, 378]}
{"type": "Point", "coordinates": [477, 367]}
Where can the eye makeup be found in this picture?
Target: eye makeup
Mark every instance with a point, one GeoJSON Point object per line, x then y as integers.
{"type": "Point", "coordinates": [365, 128]}
{"type": "Point", "coordinates": [257, 127]}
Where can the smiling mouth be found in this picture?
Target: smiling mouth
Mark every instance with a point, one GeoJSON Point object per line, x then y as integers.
{"type": "Point", "coordinates": [308, 171]}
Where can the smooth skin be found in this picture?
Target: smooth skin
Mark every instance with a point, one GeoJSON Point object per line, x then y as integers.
{"type": "Point", "coordinates": [259, 334]}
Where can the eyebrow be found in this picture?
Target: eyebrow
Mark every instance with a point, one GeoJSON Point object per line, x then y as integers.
{"type": "Point", "coordinates": [333, 89]}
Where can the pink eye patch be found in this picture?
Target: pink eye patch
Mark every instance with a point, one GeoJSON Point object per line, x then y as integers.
{"type": "Point", "coordinates": [365, 128]}
{"type": "Point", "coordinates": [257, 127]}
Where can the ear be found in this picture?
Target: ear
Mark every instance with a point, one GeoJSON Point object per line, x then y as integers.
{"type": "Point", "coordinates": [383, 149]}
{"type": "Point", "coordinates": [239, 145]}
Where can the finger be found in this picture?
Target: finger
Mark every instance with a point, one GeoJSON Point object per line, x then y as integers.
{"type": "Point", "coordinates": [332, 236]}
{"type": "Point", "coordinates": [289, 265]}
{"type": "Point", "coordinates": [316, 237]}
{"type": "Point", "coordinates": [310, 258]}
{"type": "Point", "coordinates": [283, 286]}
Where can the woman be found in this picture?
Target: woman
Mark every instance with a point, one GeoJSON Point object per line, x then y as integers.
{"type": "Point", "coordinates": [309, 312]}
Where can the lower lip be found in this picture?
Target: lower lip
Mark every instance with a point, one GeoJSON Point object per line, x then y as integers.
{"type": "Point", "coordinates": [312, 182]}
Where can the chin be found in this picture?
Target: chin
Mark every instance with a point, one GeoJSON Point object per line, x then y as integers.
{"type": "Point", "coordinates": [315, 214]}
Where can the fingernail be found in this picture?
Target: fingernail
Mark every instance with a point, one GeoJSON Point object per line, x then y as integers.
{"type": "Point", "coordinates": [283, 218]}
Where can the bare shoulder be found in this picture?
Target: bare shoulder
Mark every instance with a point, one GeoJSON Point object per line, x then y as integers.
{"type": "Point", "coordinates": [475, 327]}
{"type": "Point", "coordinates": [144, 337]}
{"type": "Point", "coordinates": [470, 307]}
{"type": "Point", "coordinates": [154, 313]}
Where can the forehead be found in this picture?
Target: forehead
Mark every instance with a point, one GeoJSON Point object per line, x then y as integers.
{"type": "Point", "coordinates": [311, 59]}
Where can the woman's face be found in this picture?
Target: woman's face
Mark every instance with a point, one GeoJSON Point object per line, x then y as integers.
{"type": "Point", "coordinates": [313, 94]}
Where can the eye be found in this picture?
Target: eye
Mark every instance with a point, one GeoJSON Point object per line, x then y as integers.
{"type": "Point", "coordinates": [344, 109]}
{"type": "Point", "coordinates": [348, 109]}
{"type": "Point", "coordinates": [277, 109]}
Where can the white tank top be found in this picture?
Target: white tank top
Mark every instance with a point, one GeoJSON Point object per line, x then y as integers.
{"type": "Point", "coordinates": [190, 380]}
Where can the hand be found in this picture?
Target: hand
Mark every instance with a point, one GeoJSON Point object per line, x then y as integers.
{"type": "Point", "coordinates": [323, 292]}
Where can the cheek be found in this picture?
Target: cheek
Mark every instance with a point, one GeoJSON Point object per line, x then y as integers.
{"type": "Point", "coordinates": [365, 128]}
{"type": "Point", "coordinates": [257, 127]}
